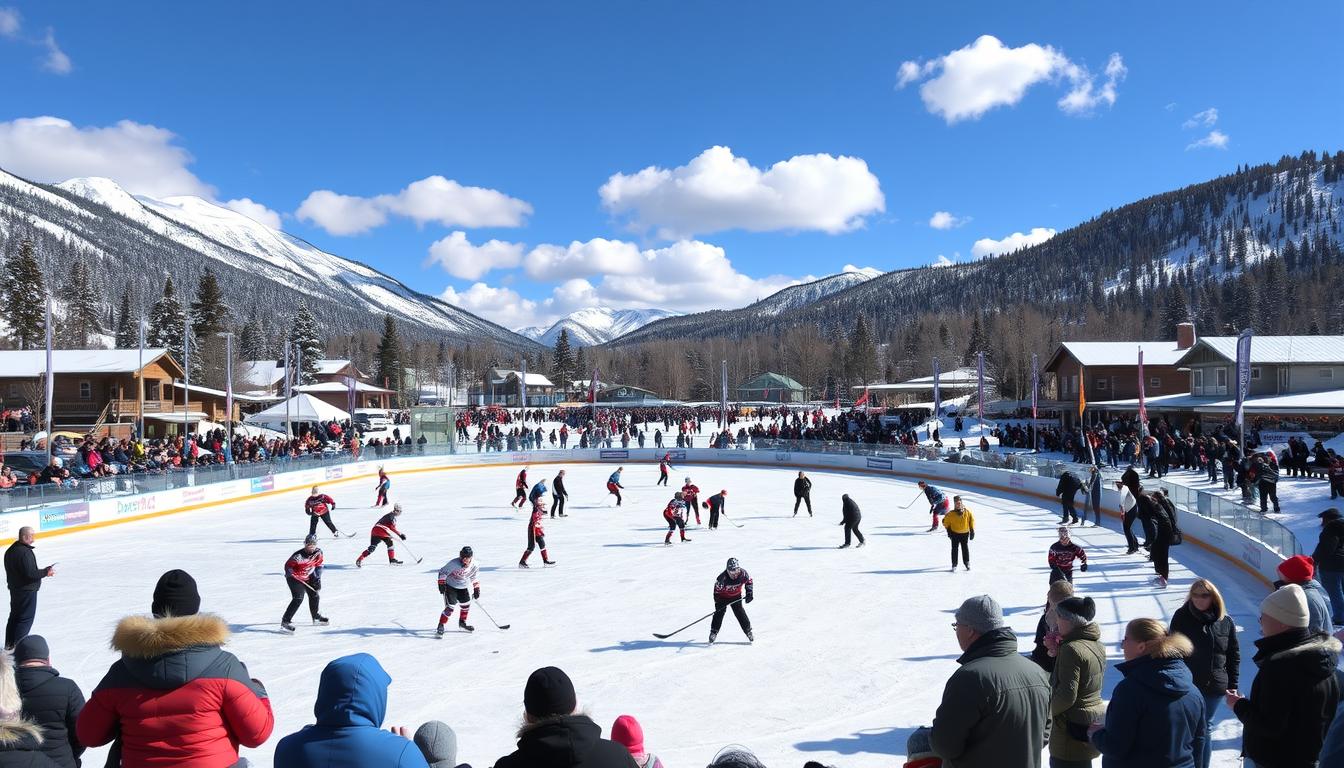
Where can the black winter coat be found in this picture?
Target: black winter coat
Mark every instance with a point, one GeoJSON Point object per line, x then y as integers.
{"type": "Point", "coordinates": [849, 511]}
{"type": "Point", "coordinates": [21, 571]}
{"type": "Point", "coordinates": [1216, 660]}
{"type": "Point", "coordinates": [572, 741]}
{"type": "Point", "coordinates": [1292, 700]}
{"type": "Point", "coordinates": [21, 746]}
{"type": "Point", "coordinates": [1329, 552]}
{"type": "Point", "coordinates": [1039, 653]}
{"type": "Point", "coordinates": [802, 486]}
{"type": "Point", "coordinates": [53, 702]}
{"type": "Point", "coordinates": [1068, 485]}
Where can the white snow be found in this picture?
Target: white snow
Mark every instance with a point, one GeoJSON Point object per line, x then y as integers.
{"type": "Point", "coordinates": [852, 651]}
{"type": "Point", "coordinates": [596, 325]}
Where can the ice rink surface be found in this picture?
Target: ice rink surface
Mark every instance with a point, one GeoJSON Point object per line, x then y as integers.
{"type": "Point", "coordinates": [852, 646]}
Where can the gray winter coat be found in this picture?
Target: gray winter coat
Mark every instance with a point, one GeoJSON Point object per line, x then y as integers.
{"type": "Point", "coordinates": [995, 711]}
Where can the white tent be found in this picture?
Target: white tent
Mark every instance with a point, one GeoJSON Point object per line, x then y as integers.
{"type": "Point", "coordinates": [302, 408]}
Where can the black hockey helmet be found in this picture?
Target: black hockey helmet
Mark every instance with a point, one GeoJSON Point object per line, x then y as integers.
{"type": "Point", "coordinates": [310, 539]}
{"type": "Point", "coordinates": [732, 564]}
{"type": "Point", "coordinates": [466, 552]}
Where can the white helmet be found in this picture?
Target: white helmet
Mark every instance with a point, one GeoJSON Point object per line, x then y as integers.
{"type": "Point", "coordinates": [688, 481]}
{"type": "Point", "coordinates": [396, 508]}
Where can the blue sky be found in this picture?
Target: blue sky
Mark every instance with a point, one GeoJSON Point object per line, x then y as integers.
{"type": "Point", "coordinates": [324, 116]}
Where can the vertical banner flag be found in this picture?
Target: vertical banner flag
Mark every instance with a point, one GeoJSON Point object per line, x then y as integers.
{"type": "Point", "coordinates": [49, 384]}
{"type": "Point", "coordinates": [723, 395]}
{"type": "Point", "coordinates": [592, 388]}
{"type": "Point", "coordinates": [862, 400]}
{"type": "Point", "coordinates": [1143, 407]}
{"type": "Point", "coordinates": [1035, 384]}
{"type": "Point", "coordinates": [1243, 381]}
{"type": "Point", "coordinates": [1082, 396]}
{"type": "Point", "coordinates": [350, 395]}
{"type": "Point", "coordinates": [980, 396]}
{"type": "Point", "coordinates": [522, 386]}
{"type": "Point", "coordinates": [937, 390]}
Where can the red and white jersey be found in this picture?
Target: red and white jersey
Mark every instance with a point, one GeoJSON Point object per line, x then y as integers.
{"type": "Point", "coordinates": [521, 482]}
{"type": "Point", "coordinates": [662, 466]}
{"type": "Point", "coordinates": [459, 576]}
{"type": "Point", "coordinates": [319, 504]}
{"type": "Point", "coordinates": [690, 492]}
{"type": "Point", "coordinates": [675, 508]}
{"type": "Point", "coordinates": [386, 527]}
{"type": "Point", "coordinates": [538, 517]}
{"type": "Point", "coordinates": [304, 565]}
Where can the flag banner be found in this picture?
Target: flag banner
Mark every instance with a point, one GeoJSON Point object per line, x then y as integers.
{"type": "Point", "coordinates": [862, 400]}
{"type": "Point", "coordinates": [980, 374]}
{"type": "Point", "coordinates": [592, 388]}
{"type": "Point", "coordinates": [1143, 408]}
{"type": "Point", "coordinates": [1243, 378]}
{"type": "Point", "coordinates": [1082, 397]}
{"type": "Point", "coordinates": [937, 390]}
{"type": "Point", "coordinates": [522, 386]}
{"type": "Point", "coordinates": [350, 394]}
{"type": "Point", "coordinates": [1035, 384]}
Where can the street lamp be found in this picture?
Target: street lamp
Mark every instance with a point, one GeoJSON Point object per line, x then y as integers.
{"type": "Point", "coordinates": [228, 392]}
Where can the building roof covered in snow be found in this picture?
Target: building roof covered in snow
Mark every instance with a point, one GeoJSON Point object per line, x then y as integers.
{"type": "Point", "coordinates": [769, 380]}
{"type": "Point", "coordinates": [31, 363]}
{"type": "Point", "coordinates": [502, 375]}
{"type": "Point", "coordinates": [1277, 350]}
{"type": "Point", "coordinates": [1117, 353]}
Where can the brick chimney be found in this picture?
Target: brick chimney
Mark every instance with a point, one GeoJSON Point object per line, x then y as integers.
{"type": "Point", "coordinates": [1185, 335]}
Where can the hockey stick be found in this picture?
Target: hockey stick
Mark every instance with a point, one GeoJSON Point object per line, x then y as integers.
{"type": "Point", "coordinates": [912, 501]}
{"type": "Point", "coordinates": [725, 516]}
{"type": "Point", "coordinates": [491, 618]}
{"type": "Point", "coordinates": [410, 552]}
{"type": "Point", "coordinates": [693, 623]}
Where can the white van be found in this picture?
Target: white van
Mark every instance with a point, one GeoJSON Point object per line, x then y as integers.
{"type": "Point", "coordinates": [373, 419]}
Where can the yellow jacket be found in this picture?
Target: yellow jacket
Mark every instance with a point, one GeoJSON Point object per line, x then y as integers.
{"type": "Point", "coordinates": [963, 522]}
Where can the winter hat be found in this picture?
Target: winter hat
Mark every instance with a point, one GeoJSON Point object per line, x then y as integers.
{"type": "Point", "coordinates": [175, 595]}
{"type": "Point", "coordinates": [1330, 514]}
{"type": "Point", "coordinates": [980, 613]}
{"type": "Point", "coordinates": [549, 692]}
{"type": "Point", "coordinates": [31, 648]}
{"type": "Point", "coordinates": [438, 743]}
{"type": "Point", "coordinates": [627, 731]}
{"type": "Point", "coordinates": [1077, 610]}
{"type": "Point", "coordinates": [1297, 569]}
{"type": "Point", "coordinates": [736, 756]}
{"type": "Point", "coordinates": [1287, 605]}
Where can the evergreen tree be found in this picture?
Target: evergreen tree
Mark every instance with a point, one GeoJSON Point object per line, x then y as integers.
{"type": "Point", "coordinates": [209, 313]}
{"type": "Point", "coordinates": [562, 359]}
{"type": "Point", "coordinates": [976, 343]}
{"type": "Point", "coordinates": [166, 322]}
{"type": "Point", "coordinates": [81, 308]}
{"type": "Point", "coordinates": [861, 354]}
{"type": "Point", "coordinates": [1246, 305]}
{"type": "Point", "coordinates": [387, 361]}
{"type": "Point", "coordinates": [303, 336]}
{"type": "Point", "coordinates": [251, 344]}
{"type": "Point", "coordinates": [1175, 310]}
{"type": "Point", "coordinates": [128, 336]}
{"type": "Point", "coordinates": [25, 292]}
{"type": "Point", "coordinates": [581, 366]}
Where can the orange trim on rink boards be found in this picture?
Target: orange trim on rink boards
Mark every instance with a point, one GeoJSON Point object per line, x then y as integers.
{"type": "Point", "coordinates": [822, 467]}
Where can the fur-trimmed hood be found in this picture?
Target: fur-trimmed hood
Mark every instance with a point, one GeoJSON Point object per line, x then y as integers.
{"type": "Point", "coordinates": [144, 637]}
{"type": "Point", "coordinates": [20, 735]}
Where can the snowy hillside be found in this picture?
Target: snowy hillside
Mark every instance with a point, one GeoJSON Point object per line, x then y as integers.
{"type": "Point", "coordinates": [801, 295]}
{"type": "Point", "coordinates": [596, 325]}
{"type": "Point", "coordinates": [144, 238]}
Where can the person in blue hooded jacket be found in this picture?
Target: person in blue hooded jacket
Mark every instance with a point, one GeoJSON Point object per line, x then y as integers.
{"type": "Point", "coordinates": [1156, 715]}
{"type": "Point", "coordinates": [351, 704]}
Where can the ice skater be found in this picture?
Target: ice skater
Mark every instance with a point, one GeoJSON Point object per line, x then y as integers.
{"type": "Point", "coordinates": [663, 465]}
{"type": "Point", "coordinates": [539, 492]}
{"type": "Point", "coordinates": [382, 533]}
{"type": "Point", "coordinates": [558, 494]}
{"type": "Point", "coordinates": [690, 493]}
{"type": "Point", "coordinates": [384, 485]}
{"type": "Point", "coordinates": [1061, 556]}
{"type": "Point", "coordinates": [303, 574]}
{"type": "Point", "coordinates": [802, 493]}
{"type": "Point", "coordinates": [520, 489]}
{"type": "Point", "coordinates": [536, 535]}
{"type": "Point", "coordinates": [455, 577]}
{"type": "Point", "coordinates": [733, 587]}
{"type": "Point", "coordinates": [850, 517]}
{"type": "Point", "coordinates": [614, 484]}
{"type": "Point", "coordinates": [938, 503]}
{"type": "Point", "coordinates": [319, 506]}
{"type": "Point", "coordinates": [716, 504]}
{"type": "Point", "coordinates": [675, 515]}
{"type": "Point", "coordinates": [960, 526]}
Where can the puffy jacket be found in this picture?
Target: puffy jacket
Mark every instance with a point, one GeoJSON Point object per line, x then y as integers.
{"type": "Point", "coordinates": [1068, 485]}
{"type": "Point", "coordinates": [849, 511]}
{"type": "Point", "coordinates": [959, 522]}
{"type": "Point", "coordinates": [1318, 607]}
{"type": "Point", "coordinates": [995, 710]}
{"type": "Point", "coordinates": [1075, 693]}
{"type": "Point", "coordinates": [570, 741]}
{"type": "Point", "coordinates": [21, 746]}
{"type": "Point", "coordinates": [351, 705]}
{"type": "Point", "coordinates": [1292, 701]}
{"type": "Point", "coordinates": [175, 698]}
{"type": "Point", "coordinates": [53, 703]}
{"type": "Point", "coordinates": [1215, 663]}
{"type": "Point", "coordinates": [802, 486]}
{"type": "Point", "coordinates": [1156, 717]}
{"type": "Point", "coordinates": [1329, 552]}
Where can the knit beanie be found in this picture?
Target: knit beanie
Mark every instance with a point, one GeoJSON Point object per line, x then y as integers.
{"type": "Point", "coordinates": [175, 595]}
{"type": "Point", "coordinates": [1077, 610]}
{"type": "Point", "coordinates": [627, 730]}
{"type": "Point", "coordinates": [1287, 605]}
{"type": "Point", "coordinates": [1297, 569]}
{"type": "Point", "coordinates": [31, 648]}
{"type": "Point", "coordinates": [549, 692]}
{"type": "Point", "coordinates": [438, 743]}
{"type": "Point", "coordinates": [980, 613]}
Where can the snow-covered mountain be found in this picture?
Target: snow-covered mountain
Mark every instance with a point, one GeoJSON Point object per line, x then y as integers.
{"type": "Point", "coordinates": [801, 295]}
{"type": "Point", "coordinates": [596, 325]}
{"type": "Point", "coordinates": [261, 269]}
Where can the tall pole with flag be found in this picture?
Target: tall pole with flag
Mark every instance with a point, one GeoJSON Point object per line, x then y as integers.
{"type": "Point", "coordinates": [980, 390]}
{"type": "Point", "coordinates": [1035, 390]}
{"type": "Point", "coordinates": [723, 394]}
{"type": "Point", "coordinates": [350, 395]}
{"type": "Point", "coordinates": [937, 390]}
{"type": "Point", "coordinates": [140, 378]}
{"type": "Point", "coordinates": [522, 385]}
{"type": "Point", "coordinates": [1082, 407]}
{"type": "Point", "coordinates": [50, 384]}
{"type": "Point", "coordinates": [186, 372]}
{"type": "Point", "coordinates": [287, 392]}
{"type": "Point", "coordinates": [1243, 384]}
{"type": "Point", "coordinates": [228, 393]}
{"type": "Point", "coordinates": [1143, 406]}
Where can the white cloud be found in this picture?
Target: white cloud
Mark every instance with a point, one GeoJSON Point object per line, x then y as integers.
{"type": "Point", "coordinates": [144, 159]}
{"type": "Point", "coordinates": [945, 220]}
{"type": "Point", "coordinates": [596, 257]}
{"type": "Point", "coordinates": [717, 191]}
{"type": "Point", "coordinates": [1215, 140]}
{"type": "Point", "coordinates": [499, 305]}
{"type": "Point", "coordinates": [985, 246]}
{"type": "Point", "coordinates": [431, 199]}
{"type": "Point", "coordinates": [986, 74]}
{"type": "Point", "coordinates": [1206, 118]}
{"type": "Point", "coordinates": [460, 258]}
{"type": "Point", "coordinates": [9, 22]}
{"type": "Point", "coordinates": [254, 210]}
{"type": "Point", "coordinates": [56, 60]}
{"type": "Point", "coordinates": [942, 261]}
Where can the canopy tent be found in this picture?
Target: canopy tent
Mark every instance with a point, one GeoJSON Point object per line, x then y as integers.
{"type": "Point", "coordinates": [299, 408]}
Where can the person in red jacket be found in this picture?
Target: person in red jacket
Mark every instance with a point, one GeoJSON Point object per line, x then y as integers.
{"type": "Point", "coordinates": [175, 698]}
{"type": "Point", "coordinates": [663, 464]}
{"type": "Point", "coordinates": [382, 532]}
{"type": "Point", "coordinates": [319, 506]}
{"type": "Point", "coordinates": [675, 515]}
{"type": "Point", "coordinates": [303, 574]}
{"type": "Point", "coordinates": [520, 490]}
{"type": "Point", "coordinates": [536, 535]}
{"type": "Point", "coordinates": [690, 493]}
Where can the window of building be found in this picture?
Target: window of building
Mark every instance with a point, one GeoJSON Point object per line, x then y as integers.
{"type": "Point", "coordinates": [1197, 382]}
{"type": "Point", "coordinates": [1326, 373]}
{"type": "Point", "coordinates": [1101, 384]}
{"type": "Point", "coordinates": [1255, 373]}
{"type": "Point", "coordinates": [1222, 378]}
{"type": "Point", "coordinates": [13, 389]}
{"type": "Point", "coordinates": [85, 390]}
{"type": "Point", "coordinates": [1155, 382]}
{"type": "Point", "coordinates": [152, 390]}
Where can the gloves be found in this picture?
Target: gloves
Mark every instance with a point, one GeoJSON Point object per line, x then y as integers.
{"type": "Point", "coordinates": [476, 593]}
{"type": "Point", "coordinates": [316, 583]}
{"type": "Point", "coordinates": [972, 534]}
{"type": "Point", "coordinates": [749, 597]}
{"type": "Point", "coordinates": [443, 588]}
{"type": "Point", "coordinates": [1084, 568]}
{"type": "Point", "coordinates": [402, 535]}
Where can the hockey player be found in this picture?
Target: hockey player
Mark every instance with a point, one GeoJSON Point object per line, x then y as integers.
{"type": "Point", "coordinates": [675, 515]}
{"type": "Point", "coordinates": [319, 506]}
{"type": "Point", "coordinates": [614, 484]}
{"type": "Point", "coordinates": [454, 578]}
{"type": "Point", "coordinates": [303, 574]}
{"type": "Point", "coordinates": [382, 531]}
{"type": "Point", "coordinates": [802, 493]}
{"type": "Point", "coordinates": [663, 465]}
{"type": "Point", "coordinates": [690, 493]}
{"type": "Point", "coordinates": [938, 503]}
{"type": "Point", "coordinates": [558, 494]}
{"type": "Point", "coordinates": [536, 535]}
{"type": "Point", "coordinates": [728, 590]}
{"type": "Point", "coordinates": [520, 490]}
{"type": "Point", "coordinates": [539, 491]}
{"type": "Point", "coordinates": [384, 485]}
{"type": "Point", "coordinates": [1061, 556]}
{"type": "Point", "coordinates": [715, 505]}
{"type": "Point", "coordinates": [850, 517]}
